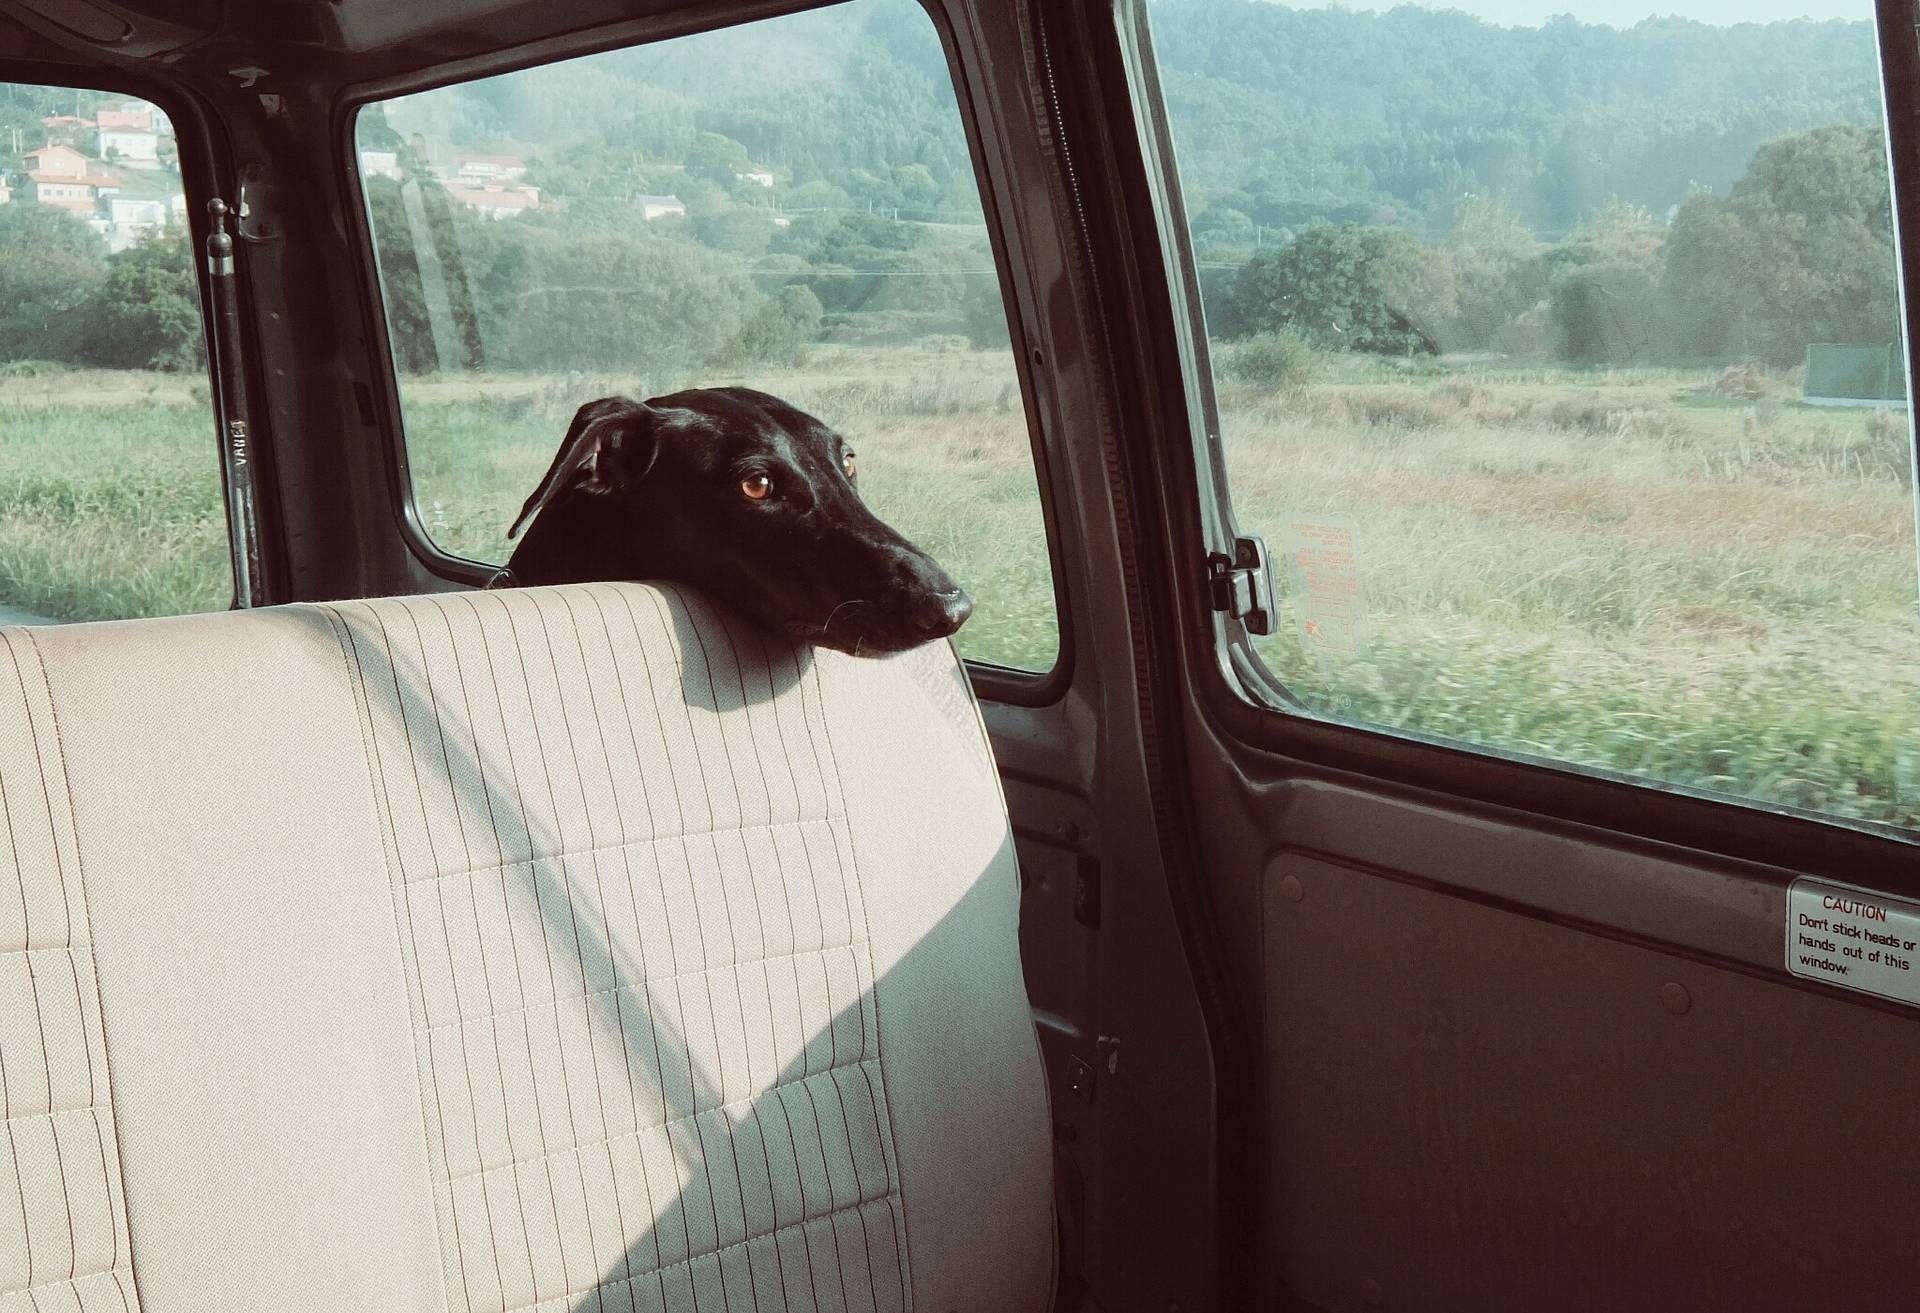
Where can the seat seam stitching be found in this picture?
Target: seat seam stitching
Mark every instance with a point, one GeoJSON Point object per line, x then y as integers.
{"type": "Point", "coordinates": [633, 841]}
{"type": "Point", "coordinates": [715, 1252]}
{"type": "Point", "coordinates": [682, 1121]}
{"type": "Point", "coordinates": [73, 1280]}
{"type": "Point", "coordinates": [390, 858]}
{"type": "Point", "coordinates": [886, 1090]}
{"type": "Point", "coordinates": [633, 985]}
{"type": "Point", "coordinates": [119, 1217]}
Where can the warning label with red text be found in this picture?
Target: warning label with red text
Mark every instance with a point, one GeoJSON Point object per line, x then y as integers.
{"type": "Point", "coordinates": [1324, 572]}
{"type": "Point", "coordinates": [1855, 938]}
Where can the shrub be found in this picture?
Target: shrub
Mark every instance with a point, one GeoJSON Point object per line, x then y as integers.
{"type": "Point", "coordinates": [1280, 361]}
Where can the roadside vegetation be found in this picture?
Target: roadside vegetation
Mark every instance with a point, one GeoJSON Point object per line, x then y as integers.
{"type": "Point", "coordinates": [1523, 311]}
{"type": "Point", "coordinates": [1652, 571]}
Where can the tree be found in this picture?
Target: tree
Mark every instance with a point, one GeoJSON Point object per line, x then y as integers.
{"type": "Point", "coordinates": [1497, 271]}
{"type": "Point", "coordinates": [781, 331]}
{"type": "Point", "coordinates": [422, 240]}
{"type": "Point", "coordinates": [618, 302]}
{"type": "Point", "coordinates": [53, 269]}
{"type": "Point", "coordinates": [1347, 288]}
{"type": "Point", "coordinates": [717, 159]}
{"type": "Point", "coordinates": [1607, 303]}
{"type": "Point", "coordinates": [734, 228]}
{"type": "Point", "coordinates": [146, 314]}
{"type": "Point", "coordinates": [1801, 250]}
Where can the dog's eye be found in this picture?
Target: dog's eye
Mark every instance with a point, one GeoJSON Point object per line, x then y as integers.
{"type": "Point", "coordinates": [848, 464]}
{"type": "Point", "coordinates": [756, 487]}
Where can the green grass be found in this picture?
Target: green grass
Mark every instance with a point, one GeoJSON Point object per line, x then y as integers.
{"type": "Point", "coordinates": [1644, 571]}
{"type": "Point", "coordinates": [110, 500]}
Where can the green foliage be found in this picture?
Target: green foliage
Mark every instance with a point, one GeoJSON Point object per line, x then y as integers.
{"type": "Point", "coordinates": [613, 302]}
{"type": "Point", "coordinates": [1498, 275]}
{"type": "Point", "coordinates": [146, 314]}
{"type": "Point", "coordinates": [1608, 305]}
{"type": "Point", "coordinates": [1346, 116]}
{"type": "Point", "coordinates": [52, 271]}
{"type": "Point", "coordinates": [1279, 361]}
{"type": "Point", "coordinates": [421, 240]}
{"type": "Point", "coordinates": [1801, 250]}
{"type": "Point", "coordinates": [781, 332]}
{"type": "Point", "coordinates": [737, 228]}
{"type": "Point", "coordinates": [1345, 288]}
{"type": "Point", "coordinates": [716, 158]}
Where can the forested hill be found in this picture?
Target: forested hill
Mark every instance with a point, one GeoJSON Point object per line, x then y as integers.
{"type": "Point", "coordinates": [1326, 113]}
{"type": "Point", "coordinates": [1284, 116]}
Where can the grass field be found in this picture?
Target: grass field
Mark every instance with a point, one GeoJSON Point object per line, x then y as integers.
{"type": "Point", "coordinates": [1661, 573]}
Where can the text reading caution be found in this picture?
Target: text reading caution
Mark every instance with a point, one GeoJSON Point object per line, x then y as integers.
{"type": "Point", "coordinates": [1854, 937]}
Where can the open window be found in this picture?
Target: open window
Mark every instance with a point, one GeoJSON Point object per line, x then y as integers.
{"type": "Point", "coordinates": [789, 204]}
{"type": "Point", "coordinates": [110, 495]}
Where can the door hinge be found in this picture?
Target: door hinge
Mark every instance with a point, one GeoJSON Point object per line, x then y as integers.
{"type": "Point", "coordinates": [1243, 584]}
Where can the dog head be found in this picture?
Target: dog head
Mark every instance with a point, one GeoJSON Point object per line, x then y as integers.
{"type": "Point", "coordinates": [744, 497]}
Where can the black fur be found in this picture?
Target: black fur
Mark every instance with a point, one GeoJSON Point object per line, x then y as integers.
{"type": "Point", "coordinates": [653, 490]}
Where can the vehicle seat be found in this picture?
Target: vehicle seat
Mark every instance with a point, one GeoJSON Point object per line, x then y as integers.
{"type": "Point", "coordinates": [552, 949]}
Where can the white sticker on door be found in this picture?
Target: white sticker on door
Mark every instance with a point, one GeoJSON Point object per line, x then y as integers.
{"type": "Point", "coordinates": [1855, 938]}
{"type": "Point", "coordinates": [1323, 575]}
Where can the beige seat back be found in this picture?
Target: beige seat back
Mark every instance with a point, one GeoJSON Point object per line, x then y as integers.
{"type": "Point", "coordinates": [576, 948]}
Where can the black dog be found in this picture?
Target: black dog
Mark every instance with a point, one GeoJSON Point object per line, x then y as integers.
{"type": "Point", "coordinates": [744, 497]}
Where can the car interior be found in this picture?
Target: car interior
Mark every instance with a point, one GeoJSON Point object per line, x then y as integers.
{"type": "Point", "coordinates": [1220, 921]}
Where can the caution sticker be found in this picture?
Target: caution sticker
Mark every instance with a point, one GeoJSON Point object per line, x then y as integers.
{"type": "Point", "coordinates": [1855, 938]}
{"type": "Point", "coordinates": [1329, 597]}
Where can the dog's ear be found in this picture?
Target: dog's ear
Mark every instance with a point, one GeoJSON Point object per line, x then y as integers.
{"type": "Point", "coordinates": [610, 445]}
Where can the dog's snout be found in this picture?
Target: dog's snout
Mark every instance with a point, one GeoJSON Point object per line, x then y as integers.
{"type": "Point", "coordinates": [940, 614]}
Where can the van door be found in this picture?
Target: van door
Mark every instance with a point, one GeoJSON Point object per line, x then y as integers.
{"type": "Point", "coordinates": [1558, 804]}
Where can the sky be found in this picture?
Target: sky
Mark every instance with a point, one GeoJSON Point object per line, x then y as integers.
{"type": "Point", "coordinates": [1625, 13]}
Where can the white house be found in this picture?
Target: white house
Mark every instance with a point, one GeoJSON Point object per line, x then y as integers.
{"type": "Point", "coordinates": [136, 150]}
{"type": "Point", "coordinates": [6, 192]}
{"type": "Point", "coordinates": [759, 177]}
{"type": "Point", "coordinates": [128, 136]}
{"type": "Point", "coordinates": [496, 201]}
{"type": "Point", "coordinates": [659, 207]}
{"type": "Point", "coordinates": [380, 164]}
{"type": "Point", "coordinates": [132, 216]}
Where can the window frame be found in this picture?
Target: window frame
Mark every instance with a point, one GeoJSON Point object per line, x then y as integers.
{"type": "Point", "coordinates": [1250, 706]}
{"type": "Point", "coordinates": [202, 165]}
{"type": "Point", "coordinates": [990, 681]}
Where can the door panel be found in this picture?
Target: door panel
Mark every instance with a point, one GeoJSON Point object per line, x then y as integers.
{"type": "Point", "coordinates": [1524, 1033]}
{"type": "Point", "coordinates": [1479, 1109]}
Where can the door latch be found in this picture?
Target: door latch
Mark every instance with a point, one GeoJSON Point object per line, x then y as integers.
{"type": "Point", "coordinates": [1243, 584]}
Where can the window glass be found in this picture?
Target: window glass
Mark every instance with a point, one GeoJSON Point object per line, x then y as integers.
{"type": "Point", "coordinates": [787, 205]}
{"type": "Point", "coordinates": [110, 501]}
{"type": "Point", "coordinates": [1559, 363]}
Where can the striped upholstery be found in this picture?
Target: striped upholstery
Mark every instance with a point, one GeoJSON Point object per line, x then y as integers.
{"type": "Point", "coordinates": [551, 949]}
{"type": "Point", "coordinates": [63, 1239]}
{"type": "Point", "coordinates": [636, 953]}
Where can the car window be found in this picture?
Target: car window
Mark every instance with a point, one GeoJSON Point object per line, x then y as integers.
{"type": "Point", "coordinates": [788, 205]}
{"type": "Point", "coordinates": [110, 500]}
{"type": "Point", "coordinates": [1559, 362]}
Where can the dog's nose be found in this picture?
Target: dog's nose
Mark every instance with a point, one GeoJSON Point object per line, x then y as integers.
{"type": "Point", "coordinates": [938, 614]}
